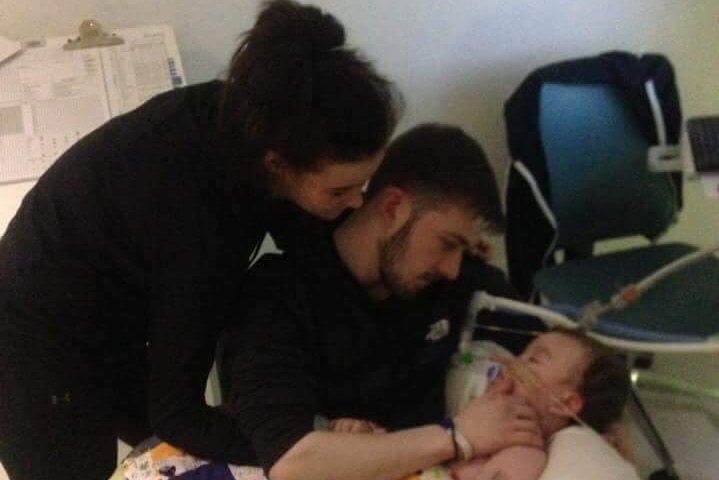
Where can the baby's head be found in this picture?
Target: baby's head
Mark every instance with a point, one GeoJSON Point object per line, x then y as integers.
{"type": "Point", "coordinates": [589, 379]}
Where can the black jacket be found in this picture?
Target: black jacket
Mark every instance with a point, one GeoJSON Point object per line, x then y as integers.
{"type": "Point", "coordinates": [140, 233]}
{"type": "Point", "coordinates": [311, 341]}
{"type": "Point", "coordinates": [627, 72]}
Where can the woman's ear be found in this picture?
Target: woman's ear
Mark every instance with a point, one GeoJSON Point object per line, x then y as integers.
{"type": "Point", "coordinates": [572, 402]}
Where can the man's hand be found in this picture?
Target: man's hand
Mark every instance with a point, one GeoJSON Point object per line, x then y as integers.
{"type": "Point", "coordinates": [353, 425]}
{"type": "Point", "coordinates": [498, 420]}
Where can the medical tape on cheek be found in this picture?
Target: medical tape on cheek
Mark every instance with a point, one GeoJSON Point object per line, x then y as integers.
{"type": "Point", "coordinates": [494, 371]}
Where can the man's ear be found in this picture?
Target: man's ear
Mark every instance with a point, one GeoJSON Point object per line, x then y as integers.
{"type": "Point", "coordinates": [276, 164]}
{"type": "Point", "coordinates": [572, 400]}
{"type": "Point", "coordinates": [394, 206]}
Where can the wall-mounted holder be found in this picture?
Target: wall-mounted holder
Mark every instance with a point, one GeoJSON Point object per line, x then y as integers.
{"type": "Point", "coordinates": [92, 35]}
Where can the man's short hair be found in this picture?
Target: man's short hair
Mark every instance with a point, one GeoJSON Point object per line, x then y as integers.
{"type": "Point", "coordinates": [441, 164]}
{"type": "Point", "coordinates": [605, 385]}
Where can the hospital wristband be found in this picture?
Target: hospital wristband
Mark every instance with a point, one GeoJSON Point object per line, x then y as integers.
{"type": "Point", "coordinates": [464, 446]}
{"type": "Point", "coordinates": [448, 425]}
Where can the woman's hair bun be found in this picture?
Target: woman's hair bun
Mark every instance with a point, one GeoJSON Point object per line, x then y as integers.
{"type": "Point", "coordinates": [285, 21]}
{"type": "Point", "coordinates": [328, 33]}
{"type": "Point", "coordinates": [295, 88]}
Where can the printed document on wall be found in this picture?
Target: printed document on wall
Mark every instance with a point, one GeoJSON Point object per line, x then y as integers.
{"type": "Point", "coordinates": [51, 97]}
{"type": "Point", "coordinates": [147, 63]}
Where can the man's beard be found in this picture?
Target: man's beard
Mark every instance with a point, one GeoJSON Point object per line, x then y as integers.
{"type": "Point", "coordinates": [391, 255]}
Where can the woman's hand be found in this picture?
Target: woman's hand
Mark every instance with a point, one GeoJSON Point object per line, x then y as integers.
{"type": "Point", "coordinates": [618, 438]}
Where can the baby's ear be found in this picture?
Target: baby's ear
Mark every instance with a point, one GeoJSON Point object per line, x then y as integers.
{"type": "Point", "coordinates": [572, 400]}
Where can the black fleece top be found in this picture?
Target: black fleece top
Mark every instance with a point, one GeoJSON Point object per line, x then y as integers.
{"type": "Point", "coordinates": [138, 236]}
{"type": "Point", "coordinates": [311, 341]}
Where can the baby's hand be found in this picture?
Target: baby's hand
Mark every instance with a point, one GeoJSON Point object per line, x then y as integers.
{"type": "Point", "coordinates": [353, 425]}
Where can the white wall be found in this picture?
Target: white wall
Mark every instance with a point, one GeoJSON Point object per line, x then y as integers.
{"type": "Point", "coordinates": [455, 60]}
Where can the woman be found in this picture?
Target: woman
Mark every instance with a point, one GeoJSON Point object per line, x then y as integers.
{"type": "Point", "coordinates": [117, 272]}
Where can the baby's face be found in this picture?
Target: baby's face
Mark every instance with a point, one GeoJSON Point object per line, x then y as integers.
{"type": "Point", "coordinates": [558, 362]}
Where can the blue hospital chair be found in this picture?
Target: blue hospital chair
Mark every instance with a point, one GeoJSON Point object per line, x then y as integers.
{"type": "Point", "coordinates": [601, 188]}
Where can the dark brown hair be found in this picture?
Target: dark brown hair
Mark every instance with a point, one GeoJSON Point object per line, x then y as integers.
{"type": "Point", "coordinates": [295, 88]}
{"type": "Point", "coordinates": [441, 164]}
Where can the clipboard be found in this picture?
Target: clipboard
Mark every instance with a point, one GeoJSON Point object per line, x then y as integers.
{"type": "Point", "coordinates": [57, 90]}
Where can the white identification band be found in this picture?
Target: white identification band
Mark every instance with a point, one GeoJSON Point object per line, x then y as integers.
{"type": "Point", "coordinates": [464, 446]}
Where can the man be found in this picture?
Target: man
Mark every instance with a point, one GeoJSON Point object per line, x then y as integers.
{"type": "Point", "coordinates": [360, 323]}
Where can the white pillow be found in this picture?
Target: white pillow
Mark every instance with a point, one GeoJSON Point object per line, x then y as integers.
{"type": "Point", "coordinates": [579, 453]}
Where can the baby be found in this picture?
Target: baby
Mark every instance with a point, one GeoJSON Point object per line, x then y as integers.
{"type": "Point", "coordinates": [568, 378]}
